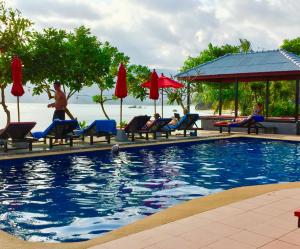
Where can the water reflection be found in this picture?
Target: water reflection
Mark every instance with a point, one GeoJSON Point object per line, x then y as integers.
{"type": "Point", "coordinates": [78, 197]}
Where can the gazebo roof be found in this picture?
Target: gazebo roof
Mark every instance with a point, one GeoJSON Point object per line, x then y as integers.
{"type": "Point", "coordinates": [247, 67]}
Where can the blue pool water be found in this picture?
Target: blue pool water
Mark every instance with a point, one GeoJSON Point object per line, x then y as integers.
{"type": "Point", "coordinates": [78, 197]}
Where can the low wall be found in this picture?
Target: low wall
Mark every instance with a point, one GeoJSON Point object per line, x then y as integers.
{"type": "Point", "coordinates": [280, 127]}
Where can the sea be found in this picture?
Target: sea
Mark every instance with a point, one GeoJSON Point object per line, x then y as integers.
{"type": "Point", "coordinates": [42, 115]}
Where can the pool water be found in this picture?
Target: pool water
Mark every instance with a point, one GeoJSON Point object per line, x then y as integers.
{"type": "Point", "coordinates": [78, 197]}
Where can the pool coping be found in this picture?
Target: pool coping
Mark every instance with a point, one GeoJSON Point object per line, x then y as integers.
{"type": "Point", "coordinates": [139, 144]}
{"type": "Point", "coordinates": [168, 215]}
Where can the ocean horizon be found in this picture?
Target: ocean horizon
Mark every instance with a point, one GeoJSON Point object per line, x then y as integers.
{"type": "Point", "coordinates": [42, 115]}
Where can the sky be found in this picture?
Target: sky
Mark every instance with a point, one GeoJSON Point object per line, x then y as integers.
{"type": "Point", "coordinates": [163, 33]}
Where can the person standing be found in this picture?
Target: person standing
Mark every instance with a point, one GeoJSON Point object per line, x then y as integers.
{"type": "Point", "coordinates": [60, 103]}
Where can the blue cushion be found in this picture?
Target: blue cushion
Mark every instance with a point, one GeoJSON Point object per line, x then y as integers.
{"type": "Point", "coordinates": [105, 126]}
{"type": "Point", "coordinates": [43, 134]}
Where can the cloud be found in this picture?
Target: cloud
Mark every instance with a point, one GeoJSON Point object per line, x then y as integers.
{"type": "Point", "coordinates": [162, 33]}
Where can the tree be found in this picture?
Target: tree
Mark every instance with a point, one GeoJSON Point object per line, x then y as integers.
{"type": "Point", "coordinates": [292, 45]}
{"type": "Point", "coordinates": [76, 59]}
{"type": "Point", "coordinates": [199, 92]}
{"type": "Point", "coordinates": [136, 74]}
{"type": "Point", "coordinates": [15, 33]}
{"type": "Point", "coordinates": [106, 81]}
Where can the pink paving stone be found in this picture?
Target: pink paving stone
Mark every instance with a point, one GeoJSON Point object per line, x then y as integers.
{"type": "Point", "coordinates": [229, 244]}
{"type": "Point", "coordinates": [268, 230]}
{"type": "Point", "coordinates": [292, 237]}
{"type": "Point", "coordinates": [246, 220]}
{"type": "Point", "coordinates": [151, 247]}
{"type": "Point", "coordinates": [175, 228]}
{"type": "Point", "coordinates": [221, 229]}
{"type": "Point", "coordinates": [285, 221]}
{"type": "Point", "coordinates": [226, 211]}
{"type": "Point", "coordinates": [194, 221]}
{"type": "Point", "coordinates": [250, 238]}
{"type": "Point", "coordinates": [269, 210]}
{"type": "Point", "coordinates": [287, 204]}
{"type": "Point", "coordinates": [201, 237]}
{"type": "Point", "coordinates": [176, 243]}
{"type": "Point", "coordinates": [276, 244]}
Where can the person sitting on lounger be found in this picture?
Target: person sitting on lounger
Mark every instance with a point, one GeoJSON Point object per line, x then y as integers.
{"type": "Point", "coordinates": [150, 122]}
{"type": "Point", "coordinates": [175, 119]}
{"type": "Point", "coordinates": [258, 109]}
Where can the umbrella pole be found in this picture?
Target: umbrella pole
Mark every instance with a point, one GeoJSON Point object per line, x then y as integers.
{"type": "Point", "coordinates": [18, 105]}
{"type": "Point", "coordinates": [162, 103]}
{"type": "Point", "coordinates": [121, 113]}
{"type": "Point", "coordinates": [154, 106]}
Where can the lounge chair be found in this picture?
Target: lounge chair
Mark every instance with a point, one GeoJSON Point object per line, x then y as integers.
{"type": "Point", "coordinates": [252, 122]}
{"type": "Point", "coordinates": [136, 125]}
{"type": "Point", "coordinates": [17, 133]}
{"type": "Point", "coordinates": [59, 129]}
{"type": "Point", "coordinates": [155, 127]}
{"type": "Point", "coordinates": [186, 123]}
{"type": "Point", "coordinates": [99, 128]}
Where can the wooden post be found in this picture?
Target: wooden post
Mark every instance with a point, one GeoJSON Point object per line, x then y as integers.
{"type": "Point", "coordinates": [297, 101]}
{"type": "Point", "coordinates": [236, 98]}
{"type": "Point", "coordinates": [267, 98]}
{"type": "Point", "coordinates": [188, 97]}
{"type": "Point", "coordinates": [220, 98]}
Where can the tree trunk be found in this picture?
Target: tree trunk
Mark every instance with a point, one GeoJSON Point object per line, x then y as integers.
{"type": "Point", "coordinates": [102, 104]}
{"type": "Point", "coordinates": [69, 114]}
{"type": "Point", "coordinates": [5, 108]}
{"type": "Point", "coordinates": [103, 110]}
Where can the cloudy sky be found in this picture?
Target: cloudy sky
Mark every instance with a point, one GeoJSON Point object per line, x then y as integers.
{"type": "Point", "coordinates": [162, 33]}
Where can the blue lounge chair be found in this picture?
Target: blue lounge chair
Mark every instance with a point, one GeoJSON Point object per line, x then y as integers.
{"type": "Point", "coordinates": [99, 128]}
{"type": "Point", "coordinates": [186, 123]}
{"type": "Point", "coordinates": [155, 127]}
{"type": "Point", "coordinates": [252, 122]}
{"type": "Point", "coordinates": [59, 129]}
{"type": "Point", "coordinates": [17, 132]}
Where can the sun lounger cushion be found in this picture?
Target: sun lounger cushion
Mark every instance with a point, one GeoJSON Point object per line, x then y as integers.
{"type": "Point", "coordinates": [255, 118]}
{"type": "Point", "coordinates": [186, 122]}
{"type": "Point", "coordinates": [100, 126]}
{"type": "Point", "coordinates": [68, 127]}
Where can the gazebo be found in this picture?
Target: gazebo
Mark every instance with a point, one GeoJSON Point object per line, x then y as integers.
{"type": "Point", "coordinates": [264, 66]}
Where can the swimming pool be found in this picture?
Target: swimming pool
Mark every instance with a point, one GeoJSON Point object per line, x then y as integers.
{"type": "Point", "coordinates": [81, 196]}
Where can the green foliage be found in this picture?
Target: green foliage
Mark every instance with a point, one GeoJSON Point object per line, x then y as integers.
{"type": "Point", "coordinates": [83, 124]}
{"type": "Point", "coordinates": [76, 59]}
{"type": "Point", "coordinates": [123, 124]}
{"type": "Point", "coordinates": [136, 75]}
{"type": "Point", "coordinates": [15, 34]}
{"type": "Point", "coordinates": [292, 45]}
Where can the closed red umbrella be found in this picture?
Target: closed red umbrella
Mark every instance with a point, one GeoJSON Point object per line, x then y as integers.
{"type": "Point", "coordinates": [164, 82]}
{"type": "Point", "coordinates": [154, 94]}
{"type": "Point", "coordinates": [121, 87]}
{"type": "Point", "coordinates": [17, 88]}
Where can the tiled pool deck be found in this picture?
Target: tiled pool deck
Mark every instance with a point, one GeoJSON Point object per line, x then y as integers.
{"type": "Point", "coordinates": [265, 221]}
{"type": "Point", "coordinates": [249, 217]}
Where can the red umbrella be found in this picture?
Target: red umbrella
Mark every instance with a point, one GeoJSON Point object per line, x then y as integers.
{"type": "Point", "coordinates": [164, 82]}
{"type": "Point", "coordinates": [154, 88]}
{"type": "Point", "coordinates": [17, 88]}
{"type": "Point", "coordinates": [121, 88]}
